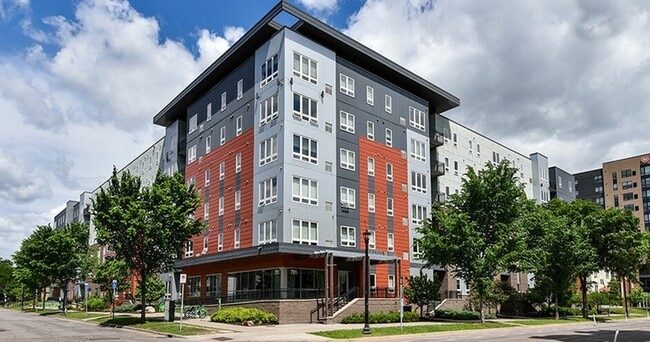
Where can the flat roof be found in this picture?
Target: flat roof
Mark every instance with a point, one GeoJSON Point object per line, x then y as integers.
{"type": "Point", "coordinates": [344, 46]}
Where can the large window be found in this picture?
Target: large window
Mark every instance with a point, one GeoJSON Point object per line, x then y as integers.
{"type": "Point", "coordinates": [627, 173]}
{"type": "Point", "coordinates": [304, 232]}
{"type": "Point", "coordinates": [418, 150]}
{"type": "Point", "coordinates": [348, 160]}
{"type": "Point", "coordinates": [418, 213]}
{"type": "Point", "coordinates": [305, 108]}
{"type": "Point", "coordinates": [305, 68]}
{"type": "Point", "coordinates": [194, 286]}
{"type": "Point", "coordinates": [213, 285]}
{"type": "Point", "coordinates": [346, 85]}
{"type": "Point", "coordinates": [305, 190]}
{"type": "Point", "coordinates": [267, 232]}
{"type": "Point", "coordinates": [348, 236]}
{"type": "Point", "coordinates": [305, 149]}
{"type": "Point", "coordinates": [254, 285]}
{"type": "Point", "coordinates": [348, 197]}
{"type": "Point", "coordinates": [416, 118]}
{"type": "Point", "coordinates": [269, 109]}
{"type": "Point", "coordinates": [418, 182]}
{"type": "Point", "coordinates": [346, 122]}
{"type": "Point", "coordinates": [269, 70]}
{"type": "Point", "coordinates": [268, 150]}
{"type": "Point", "coordinates": [627, 185]}
{"type": "Point", "coordinates": [268, 191]}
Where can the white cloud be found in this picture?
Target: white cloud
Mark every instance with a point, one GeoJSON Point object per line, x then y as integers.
{"type": "Point", "coordinates": [211, 46]}
{"type": "Point", "coordinates": [9, 7]}
{"type": "Point", "coordinates": [325, 6]}
{"type": "Point", "coordinates": [539, 76]}
{"type": "Point", "coordinates": [14, 228]}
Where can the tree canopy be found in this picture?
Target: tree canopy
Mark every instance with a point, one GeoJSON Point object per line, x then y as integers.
{"type": "Point", "coordinates": [146, 226]}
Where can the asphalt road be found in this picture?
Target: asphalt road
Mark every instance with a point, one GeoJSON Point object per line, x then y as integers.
{"type": "Point", "coordinates": [18, 326]}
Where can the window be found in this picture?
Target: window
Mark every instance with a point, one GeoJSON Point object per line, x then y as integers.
{"type": "Point", "coordinates": [213, 285]}
{"type": "Point", "coordinates": [373, 281]}
{"type": "Point", "coordinates": [269, 70]}
{"type": "Point", "coordinates": [627, 185]}
{"type": "Point", "coordinates": [222, 136]}
{"type": "Point", "coordinates": [370, 95]}
{"type": "Point", "coordinates": [193, 123]}
{"type": "Point", "coordinates": [559, 182]}
{"type": "Point", "coordinates": [391, 244]}
{"type": "Point", "coordinates": [389, 172]}
{"type": "Point", "coordinates": [222, 170]}
{"type": "Point", "coordinates": [598, 190]}
{"type": "Point", "coordinates": [616, 203]}
{"type": "Point", "coordinates": [220, 242]}
{"type": "Point", "coordinates": [191, 154]}
{"type": "Point", "coordinates": [207, 177]}
{"type": "Point", "coordinates": [189, 248]}
{"type": "Point", "coordinates": [223, 101]}
{"type": "Point", "coordinates": [418, 213]}
{"type": "Point", "coordinates": [418, 182]}
{"type": "Point", "coordinates": [305, 190]}
{"type": "Point", "coordinates": [348, 161]}
{"type": "Point", "coordinates": [348, 197]}
{"type": "Point", "coordinates": [446, 164]}
{"type": "Point", "coordinates": [389, 206]}
{"type": "Point", "coordinates": [389, 137]}
{"type": "Point", "coordinates": [371, 166]}
{"type": "Point", "coordinates": [388, 104]}
{"type": "Point", "coordinates": [456, 166]}
{"type": "Point", "coordinates": [269, 109]}
{"type": "Point", "coordinates": [470, 145]}
{"type": "Point", "coordinates": [454, 138]}
{"type": "Point", "coordinates": [221, 205]}
{"type": "Point", "coordinates": [240, 121]}
{"type": "Point", "coordinates": [371, 240]}
{"type": "Point", "coordinates": [194, 286]}
{"type": "Point", "coordinates": [267, 232]}
{"type": "Point", "coordinates": [570, 187]}
{"type": "Point", "coordinates": [418, 150]}
{"type": "Point", "coordinates": [346, 85]}
{"type": "Point", "coordinates": [628, 196]}
{"type": "Point", "coordinates": [208, 144]}
{"type": "Point", "coordinates": [206, 211]}
{"type": "Point", "coordinates": [416, 253]}
{"type": "Point", "coordinates": [391, 283]}
{"type": "Point", "coordinates": [237, 199]}
{"type": "Point", "coordinates": [240, 89]}
{"type": "Point", "coordinates": [600, 201]}
{"type": "Point", "coordinates": [268, 150]}
{"type": "Point", "coordinates": [305, 108]}
{"type": "Point", "coordinates": [416, 118]}
{"type": "Point", "coordinates": [627, 173]}
{"type": "Point", "coordinates": [370, 133]}
{"type": "Point", "coordinates": [304, 232]}
{"type": "Point", "coordinates": [268, 191]}
{"type": "Point", "coordinates": [237, 236]}
{"type": "Point", "coordinates": [348, 236]}
{"type": "Point", "coordinates": [371, 203]}
{"type": "Point", "coordinates": [238, 163]}
{"type": "Point", "coordinates": [305, 149]}
{"type": "Point", "coordinates": [305, 68]}
{"type": "Point", "coordinates": [346, 122]}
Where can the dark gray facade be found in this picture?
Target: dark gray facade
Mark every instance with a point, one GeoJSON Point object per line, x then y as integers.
{"type": "Point", "coordinates": [561, 184]}
{"type": "Point", "coordinates": [589, 186]}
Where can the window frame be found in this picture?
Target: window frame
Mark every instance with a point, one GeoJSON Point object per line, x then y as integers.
{"type": "Point", "coordinates": [346, 126]}
{"type": "Point", "coordinates": [350, 239]}
{"type": "Point", "coordinates": [350, 201]}
{"type": "Point", "coordinates": [311, 148]}
{"type": "Point", "coordinates": [346, 84]}
{"type": "Point", "coordinates": [311, 197]}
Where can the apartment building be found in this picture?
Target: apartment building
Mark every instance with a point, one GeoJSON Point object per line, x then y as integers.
{"type": "Point", "coordinates": [561, 184]}
{"type": "Point", "coordinates": [299, 140]}
{"type": "Point", "coordinates": [589, 186]}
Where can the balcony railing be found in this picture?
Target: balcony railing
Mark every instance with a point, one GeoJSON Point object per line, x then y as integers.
{"type": "Point", "coordinates": [441, 197]}
{"type": "Point", "coordinates": [438, 169]}
{"type": "Point", "coordinates": [438, 139]}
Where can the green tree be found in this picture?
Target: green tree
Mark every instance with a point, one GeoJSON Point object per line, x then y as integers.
{"type": "Point", "coordinates": [35, 260]}
{"type": "Point", "coordinates": [620, 245]}
{"type": "Point", "coordinates": [71, 242]}
{"type": "Point", "coordinates": [556, 249]}
{"type": "Point", "coordinates": [6, 278]}
{"type": "Point", "coordinates": [421, 290]}
{"type": "Point", "coordinates": [146, 227]}
{"type": "Point", "coordinates": [112, 269]}
{"type": "Point", "coordinates": [475, 232]}
{"type": "Point", "coordinates": [637, 296]}
{"type": "Point", "coordinates": [155, 290]}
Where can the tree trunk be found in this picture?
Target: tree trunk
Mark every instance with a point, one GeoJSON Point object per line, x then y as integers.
{"type": "Point", "coordinates": [583, 284]}
{"type": "Point", "coordinates": [557, 309]}
{"type": "Point", "coordinates": [44, 297]}
{"type": "Point", "coordinates": [65, 296]}
{"type": "Point", "coordinates": [143, 294]}
{"type": "Point", "coordinates": [480, 307]}
{"type": "Point", "coordinates": [625, 297]}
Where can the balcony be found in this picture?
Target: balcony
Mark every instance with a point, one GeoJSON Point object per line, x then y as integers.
{"type": "Point", "coordinates": [437, 169]}
{"type": "Point", "coordinates": [438, 139]}
{"type": "Point", "coordinates": [441, 197]}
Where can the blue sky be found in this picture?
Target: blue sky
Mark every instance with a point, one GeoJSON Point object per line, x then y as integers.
{"type": "Point", "coordinates": [81, 80]}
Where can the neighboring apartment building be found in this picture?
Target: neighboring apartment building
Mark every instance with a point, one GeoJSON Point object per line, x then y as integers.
{"type": "Point", "coordinates": [561, 184]}
{"type": "Point", "coordinates": [300, 139]}
{"type": "Point", "coordinates": [589, 186]}
{"type": "Point", "coordinates": [541, 183]}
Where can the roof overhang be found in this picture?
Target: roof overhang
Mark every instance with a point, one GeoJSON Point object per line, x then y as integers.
{"type": "Point", "coordinates": [344, 46]}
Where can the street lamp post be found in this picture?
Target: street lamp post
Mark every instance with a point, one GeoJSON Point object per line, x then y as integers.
{"type": "Point", "coordinates": [366, 283]}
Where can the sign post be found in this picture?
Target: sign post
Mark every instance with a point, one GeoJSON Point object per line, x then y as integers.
{"type": "Point", "coordinates": [183, 280]}
{"type": "Point", "coordinates": [86, 297]}
{"type": "Point", "coordinates": [114, 285]}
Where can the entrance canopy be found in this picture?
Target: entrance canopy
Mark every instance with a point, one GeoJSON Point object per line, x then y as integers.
{"type": "Point", "coordinates": [357, 256]}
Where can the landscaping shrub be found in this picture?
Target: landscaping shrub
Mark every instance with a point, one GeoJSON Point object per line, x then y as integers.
{"type": "Point", "coordinates": [97, 304]}
{"type": "Point", "coordinates": [382, 317]}
{"type": "Point", "coordinates": [563, 311]}
{"type": "Point", "coordinates": [461, 314]}
{"type": "Point", "coordinates": [128, 308]}
{"type": "Point", "coordinates": [241, 314]}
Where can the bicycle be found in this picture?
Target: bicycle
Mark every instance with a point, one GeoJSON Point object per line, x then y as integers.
{"type": "Point", "coordinates": [195, 312]}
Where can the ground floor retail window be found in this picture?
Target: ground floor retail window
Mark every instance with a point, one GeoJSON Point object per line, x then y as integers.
{"type": "Point", "coordinates": [194, 286]}
{"type": "Point", "coordinates": [254, 285]}
{"type": "Point", "coordinates": [213, 285]}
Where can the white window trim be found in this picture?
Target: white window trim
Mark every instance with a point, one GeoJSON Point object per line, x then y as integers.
{"type": "Point", "coordinates": [311, 114]}
{"type": "Point", "coordinates": [350, 236]}
{"type": "Point", "coordinates": [371, 166]}
{"type": "Point", "coordinates": [272, 142]}
{"type": "Point", "coordinates": [370, 130]}
{"type": "Point", "coordinates": [269, 109]}
{"type": "Point", "coordinates": [238, 163]}
{"type": "Point", "coordinates": [240, 124]}
{"type": "Point", "coordinates": [237, 199]}
{"type": "Point", "coordinates": [371, 202]}
{"type": "Point", "coordinates": [240, 89]}
{"type": "Point", "coordinates": [265, 227]}
{"type": "Point", "coordinates": [222, 136]}
{"type": "Point", "coordinates": [346, 85]}
{"type": "Point", "coordinates": [305, 74]}
{"type": "Point", "coordinates": [388, 103]}
{"type": "Point", "coordinates": [390, 206]}
{"type": "Point", "coordinates": [224, 100]}
{"type": "Point", "coordinates": [311, 156]}
{"type": "Point", "coordinates": [222, 170]}
{"type": "Point", "coordinates": [370, 95]}
{"type": "Point", "coordinates": [268, 187]}
{"type": "Point", "coordinates": [350, 194]}
{"type": "Point", "coordinates": [344, 125]}
{"type": "Point", "coordinates": [391, 242]}
{"type": "Point", "coordinates": [221, 205]}
{"type": "Point", "coordinates": [389, 172]}
{"type": "Point", "coordinates": [310, 240]}
{"type": "Point", "coordinates": [193, 125]}
{"type": "Point", "coordinates": [389, 137]}
{"type": "Point", "coordinates": [311, 197]}
{"type": "Point", "coordinates": [237, 237]}
{"type": "Point", "coordinates": [220, 242]}
{"type": "Point", "coordinates": [350, 159]}
{"type": "Point", "coordinates": [264, 80]}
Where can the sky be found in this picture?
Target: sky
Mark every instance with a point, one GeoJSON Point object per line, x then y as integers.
{"type": "Point", "coordinates": [81, 80]}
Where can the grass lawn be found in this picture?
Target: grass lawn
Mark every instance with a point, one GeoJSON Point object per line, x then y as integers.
{"type": "Point", "coordinates": [412, 329]}
{"type": "Point", "coordinates": [75, 314]}
{"type": "Point", "coordinates": [545, 321]}
{"type": "Point", "coordinates": [153, 325]}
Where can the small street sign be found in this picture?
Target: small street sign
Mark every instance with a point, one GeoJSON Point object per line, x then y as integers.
{"type": "Point", "coordinates": [183, 278]}
{"type": "Point", "coordinates": [114, 284]}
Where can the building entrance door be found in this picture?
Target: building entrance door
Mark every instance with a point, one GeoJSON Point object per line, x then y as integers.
{"type": "Point", "coordinates": [346, 282]}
